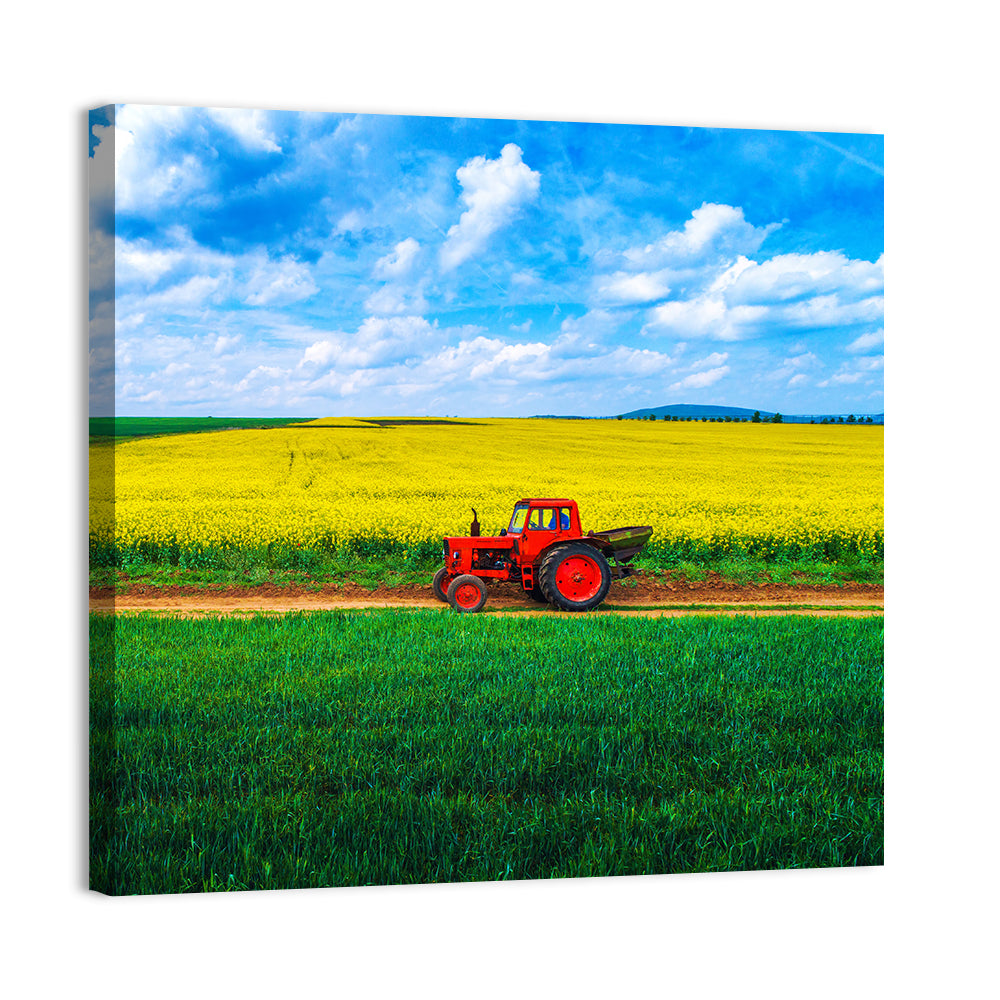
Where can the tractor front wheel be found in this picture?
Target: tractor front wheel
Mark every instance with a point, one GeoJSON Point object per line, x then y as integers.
{"type": "Point", "coordinates": [575, 577]}
{"type": "Point", "coordinates": [440, 584]}
{"type": "Point", "coordinates": [467, 594]}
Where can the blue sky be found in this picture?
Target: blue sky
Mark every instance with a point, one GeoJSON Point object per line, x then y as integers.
{"type": "Point", "coordinates": [257, 262]}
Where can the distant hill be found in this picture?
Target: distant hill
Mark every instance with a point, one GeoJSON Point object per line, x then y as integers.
{"type": "Point", "coordinates": [696, 410]}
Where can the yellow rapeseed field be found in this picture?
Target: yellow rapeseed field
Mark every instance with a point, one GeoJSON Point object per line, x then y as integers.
{"type": "Point", "coordinates": [714, 486]}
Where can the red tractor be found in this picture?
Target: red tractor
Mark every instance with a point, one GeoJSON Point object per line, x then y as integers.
{"type": "Point", "coordinates": [543, 550]}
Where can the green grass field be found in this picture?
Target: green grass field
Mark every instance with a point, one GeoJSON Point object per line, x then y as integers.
{"type": "Point", "coordinates": [124, 427]}
{"type": "Point", "coordinates": [390, 747]}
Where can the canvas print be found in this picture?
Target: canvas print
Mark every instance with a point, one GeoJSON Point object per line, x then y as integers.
{"type": "Point", "coordinates": [477, 500]}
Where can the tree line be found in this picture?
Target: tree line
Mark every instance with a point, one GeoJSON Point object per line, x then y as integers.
{"type": "Point", "coordinates": [777, 418]}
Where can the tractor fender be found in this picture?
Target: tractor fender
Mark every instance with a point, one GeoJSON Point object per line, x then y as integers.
{"type": "Point", "coordinates": [598, 543]}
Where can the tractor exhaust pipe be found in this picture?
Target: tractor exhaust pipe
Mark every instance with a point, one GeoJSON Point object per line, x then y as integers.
{"type": "Point", "coordinates": [474, 527]}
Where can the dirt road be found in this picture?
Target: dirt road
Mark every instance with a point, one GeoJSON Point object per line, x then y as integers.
{"type": "Point", "coordinates": [638, 596]}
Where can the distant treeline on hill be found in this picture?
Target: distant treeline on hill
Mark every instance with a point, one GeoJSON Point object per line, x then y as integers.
{"type": "Point", "coordinates": [763, 418]}
{"type": "Point", "coordinates": [730, 414]}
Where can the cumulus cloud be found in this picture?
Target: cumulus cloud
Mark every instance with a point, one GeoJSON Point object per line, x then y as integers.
{"type": "Point", "coordinates": [713, 360]}
{"type": "Point", "coordinates": [511, 357]}
{"type": "Point", "coordinates": [714, 232]}
{"type": "Point", "coordinates": [160, 158]}
{"type": "Point", "coordinates": [395, 300]}
{"type": "Point", "coordinates": [794, 369]}
{"type": "Point", "coordinates": [493, 191]}
{"type": "Point", "coordinates": [225, 344]}
{"type": "Point", "coordinates": [260, 374]}
{"type": "Point", "coordinates": [786, 293]}
{"type": "Point", "coordinates": [378, 341]}
{"type": "Point", "coordinates": [700, 380]}
{"type": "Point", "coordinates": [399, 261]}
{"type": "Point", "coordinates": [796, 276]}
{"type": "Point", "coordinates": [151, 169]}
{"type": "Point", "coordinates": [705, 282]}
{"type": "Point", "coordinates": [633, 288]}
{"type": "Point", "coordinates": [275, 282]}
{"type": "Point", "coordinates": [867, 341]}
{"type": "Point", "coordinates": [248, 125]}
{"type": "Point", "coordinates": [141, 262]}
{"type": "Point", "coordinates": [180, 275]}
{"type": "Point", "coordinates": [402, 292]}
{"type": "Point", "coordinates": [565, 360]}
{"type": "Point", "coordinates": [863, 370]}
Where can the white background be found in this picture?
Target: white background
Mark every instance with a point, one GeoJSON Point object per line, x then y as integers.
{"type": "Point", "coordinates": [923, 924]}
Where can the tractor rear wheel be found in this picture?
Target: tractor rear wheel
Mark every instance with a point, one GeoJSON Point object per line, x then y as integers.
{"type": "Point", "coordinates": [575, 577]}
{"type": "Point", "coordinates": [440, 584]}
{"type": "Point", "coordinates": [467, 593]}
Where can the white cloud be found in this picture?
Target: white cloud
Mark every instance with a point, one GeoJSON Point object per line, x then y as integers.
{"type": "Point", "coordinates": [512, 357]}
{"type": "Point", "coordinates": [793, 276]}
{"type": "Point", "coordinates": [275, 282]}
{"type": "Point", "coordinates": [844, 378]}
{"type": "Point", "coordinates": [260, 374]}
{"type": "Point", "coordinates": [593, 327]}
{"type": "Point", "coordinates": [153, 171]}
{"type": "Point", "coordinates": [138, 261]}
{"type": "Point", "coordinates": [715, 289]}
{"type": "Point", "coordinates": [800, 361]}
{"type": "Point", "coordinates": [865, 369]}
{"type": "Point", "coordinates": [792, 292]}
{"type": "Point", "coordinates": [714, 232]}
{"type": "Point", "coordinates": [187, 294]}
{"type": "Point", "coordinates": [730, 275]}
{"type": "Point", "coordinates": [493, 190]}
{"type": "Point", "coordinates": [352, 222]}
{"type": "Point", "coordinates": [248, 125]}
{"type": "Point", "coordinates": [642, 287]}
{"type": "Point", "coordinates": [397, 296]}
{"type": "Point", "coordinates": [379, 341]}
{"type": "Point", "coordinates": [183, 275]}
{"type": "Point", "coordinates": [704, 316]}
{"type": "Point", "coordinates": [793, 368]}
{"type": "Point", "coordinates": [713, 360]}
{"type": "Point", "coordinates": [400, 261]}
{"type": "Point", "coordinates": [321, 353]}
{"type": "Point", "coordinates": [867, 341]}
{"type": "Point", "coordinates": [393, 300]}
{"type": "Point", "coordinates": [149, 171]}
{"type": "Point", "coordinates": [875, 364]}
{"type": "Point", "coordinates": [701, 380]}
{"type": "Point", "coordinates": [225, 344]}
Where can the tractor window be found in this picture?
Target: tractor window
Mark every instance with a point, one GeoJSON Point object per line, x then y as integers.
{"type": "Point", "coordinates": [542, 518]}
{"type": "Point", "coordinates": [517, 520]}
{"type": "Point", "coordinates": [564, 519]}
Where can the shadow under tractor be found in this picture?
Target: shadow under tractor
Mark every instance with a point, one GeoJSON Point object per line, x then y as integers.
{"type": "Point", "coordinates": [543, 550]}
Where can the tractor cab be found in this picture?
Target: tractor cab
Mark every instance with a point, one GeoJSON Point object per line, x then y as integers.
{"type": "Point", "coordinates": [541, 522]}
{"type": "Point", "coordinates": [530, 515]}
